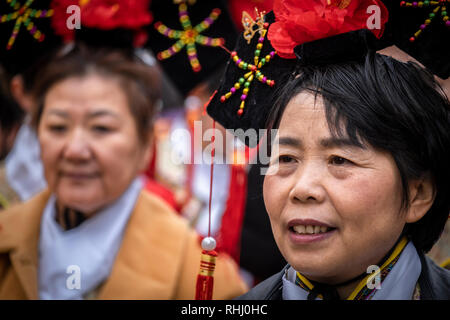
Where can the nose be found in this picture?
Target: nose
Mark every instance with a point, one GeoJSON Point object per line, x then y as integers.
{"type": "Point", "coordinates": [77, 147]}
{"type": "Point", "coordinates": [308, 184]}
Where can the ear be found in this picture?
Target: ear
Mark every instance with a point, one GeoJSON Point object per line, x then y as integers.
{"type": "Point", "coordinates": [422, 194]}
{"type": "Point", "coordinates": [24, 99]}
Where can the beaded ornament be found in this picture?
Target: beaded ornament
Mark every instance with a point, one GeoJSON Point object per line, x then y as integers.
{"type": "Point", "coordinates": [438, 8]}
{"type": "Point", "coordinates": [189, 36]}
{"type": "Point", "coordinates": [255, 69]}
{"type": "Point", "coordinates": [23, 15]}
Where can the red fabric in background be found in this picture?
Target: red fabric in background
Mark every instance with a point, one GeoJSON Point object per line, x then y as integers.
{"type": "Point", "coordinates": [157, 188]}
{"type": "Point", "coordinates": [164, 193]}
{"type": "Point", "coordinates": [231, 226]}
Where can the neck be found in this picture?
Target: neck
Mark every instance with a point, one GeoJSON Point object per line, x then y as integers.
{"type": "Point", "coordinates": [345, 289]}
{"type": "Point", "coordinates": [68, 218]}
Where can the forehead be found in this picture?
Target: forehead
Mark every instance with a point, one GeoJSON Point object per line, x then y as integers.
{"type": "Point", "coordinates": [85, 93]}
{"type": "Point", "coordinates": [304, 113]}
{"type": "Point", "coordinates": [304, 124]}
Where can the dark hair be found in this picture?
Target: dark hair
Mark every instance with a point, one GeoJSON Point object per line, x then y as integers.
{"type": "Point", "coordinates": [139, 81]}
{"type": "Point", "coordinates": [11, 114]}
{"type": "Point", "coordinates": [392, 106]}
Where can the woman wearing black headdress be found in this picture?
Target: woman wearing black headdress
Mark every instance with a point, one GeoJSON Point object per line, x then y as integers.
{"type": "Point", "coordinates": [358, 181]}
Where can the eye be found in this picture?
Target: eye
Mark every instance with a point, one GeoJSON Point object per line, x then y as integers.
{"type": "Point", "coordinates": [339, 161]}
{"type": "Point", "coordinates": [57, 128]}
{"type": "Point", "coordinates": [285, 159]}
{"type": "Point", "coordinates": [101, 129]}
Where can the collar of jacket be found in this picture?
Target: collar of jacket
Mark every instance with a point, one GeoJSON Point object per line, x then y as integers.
{"type": "Point", "coordinates": [150, 256]}
{"type": "Point", "coordinates": [434, 283]}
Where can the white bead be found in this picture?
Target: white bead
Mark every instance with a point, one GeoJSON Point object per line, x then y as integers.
{"type": "Point", "coordinates": [208, 243]}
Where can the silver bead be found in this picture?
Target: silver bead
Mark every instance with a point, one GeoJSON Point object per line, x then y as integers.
{"type": "Point", "coordinates": [208, 243]}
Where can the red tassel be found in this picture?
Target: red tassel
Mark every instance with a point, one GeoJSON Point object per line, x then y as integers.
{"type": "Point", "coordinates": [205, 278]}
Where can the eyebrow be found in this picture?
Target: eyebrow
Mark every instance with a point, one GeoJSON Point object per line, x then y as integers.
{"type": "Point", "coordinates": [95, 114]}
{"type": "Point", "coordinates": [340, 142]}
{"type": "Point", "coordinates": [57, 112]}
{"type": "Point", "coordinates": [326, 143]}
{"type": "Point", "coordinates": [290, 141]}
{"type": "Point", "coordinates": [100, 113]}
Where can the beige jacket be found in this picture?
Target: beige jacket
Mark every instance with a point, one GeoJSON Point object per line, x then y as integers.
{"type": "Point", "coordinates": [159, 257]}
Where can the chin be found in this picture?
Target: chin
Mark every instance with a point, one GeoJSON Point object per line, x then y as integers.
{"type": "Point", "coordinates": [315, 265]}
{"type": "Point", "coordinates": [86, 203]}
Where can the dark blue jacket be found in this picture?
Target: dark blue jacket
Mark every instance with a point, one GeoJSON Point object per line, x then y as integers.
{"type": "Point", "coordinates": [434, 283]}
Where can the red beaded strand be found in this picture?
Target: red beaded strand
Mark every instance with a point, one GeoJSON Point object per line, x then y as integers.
{"type": "Point", "coordinates": [438, 6]}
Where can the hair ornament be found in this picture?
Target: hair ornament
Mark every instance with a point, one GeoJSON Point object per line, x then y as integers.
{"type": "Point", "coordinates": [23, 15]}
{"type": "Point", "coordinates": [438, 8]}
{"type": "Point", "coordinates": [253, 69]}
{"type": "Point", "coordinates": [189, 36]}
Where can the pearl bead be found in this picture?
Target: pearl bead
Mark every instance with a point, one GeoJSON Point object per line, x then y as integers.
{"type": "Point", "coordinates": [208, 243]}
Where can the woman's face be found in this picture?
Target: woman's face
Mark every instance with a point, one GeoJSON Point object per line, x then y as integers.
{"type": "Point", "coordinates": [89, 142]}
{"type": "Point", "coordinates": [348, 197]}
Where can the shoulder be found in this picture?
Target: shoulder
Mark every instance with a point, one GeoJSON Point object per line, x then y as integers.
{"type": "Point", "coordinates": [153, 207]}
{"type": "Point", "coordinates": [155, 221]}
{"type": "Point", "coordinates": [269, 289]}
{"type": "Point", "coordinates": [21, 220]}
{"type": "Point", "coordinates": [169, 232]}
{"type": "Point", "coordinates": [434, 281]}
{"type": "Point", "coordinates": [8, 196]}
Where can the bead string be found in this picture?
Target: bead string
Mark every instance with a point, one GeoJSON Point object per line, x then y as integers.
{"type": "Point", "coordinates": [255, 72]}
{"type": "Point", "coordinates": [440, 5]}
{"type": "Point", "coordinates": [189, 36]}
{"type": "Point", "coordinates": [24, 15]}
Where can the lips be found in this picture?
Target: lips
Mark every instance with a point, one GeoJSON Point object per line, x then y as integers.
{"type": "Point", "coordinates": [309, 230]}
{"type": "Point", "coordinates": [79, 175]}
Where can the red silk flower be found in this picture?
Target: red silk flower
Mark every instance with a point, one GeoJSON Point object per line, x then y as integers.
{"type": "Point", "coordinates": [300, 21]}
{"type": "Point", "coordinates": [101, 14]}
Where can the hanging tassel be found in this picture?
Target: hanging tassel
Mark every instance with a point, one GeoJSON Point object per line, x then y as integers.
{"type": "Point", "coordinates": [205, 279]}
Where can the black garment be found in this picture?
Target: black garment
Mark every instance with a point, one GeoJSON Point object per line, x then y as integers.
{"type": "Point", "coordinates": [434, 283]}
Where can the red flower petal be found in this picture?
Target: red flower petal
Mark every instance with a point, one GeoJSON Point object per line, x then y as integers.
{"type": "Point", "coordinates": [280, 40]}
{"type": "Point", "coordinates": [102, 14]}
{"type": "Point", "coordinates": [300, 21]}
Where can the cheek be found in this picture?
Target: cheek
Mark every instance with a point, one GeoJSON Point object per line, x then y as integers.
{"type": "Point", "coordinates": [269, 197]}
{"type": "Point", "coordinates": [50, 150]}
{"type": "Point", "coordinates": [369, 201]}
{"type": "Point", "coordinates": [274, 201]}
{"type": "Point", "coordinates": [119, 158]}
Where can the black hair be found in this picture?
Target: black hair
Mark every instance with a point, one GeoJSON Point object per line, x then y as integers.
{"type": "Point", "coordinates": [10, 113]}
{"type": "Point", "coordinates": [393, 106]}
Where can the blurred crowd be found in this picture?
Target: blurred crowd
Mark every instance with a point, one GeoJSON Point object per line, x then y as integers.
{"type": "Point", "coordinates": [92, 171]}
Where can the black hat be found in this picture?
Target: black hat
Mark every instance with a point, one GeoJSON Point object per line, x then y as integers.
{"type": "Point", "coordinates": [26, 35]}
{"type": "Point", "coordinates": [226, 104]}
{"type": "Point", "coordinates": [351, 45]}
{"type": "Point", "coordinates": [208, 24]}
